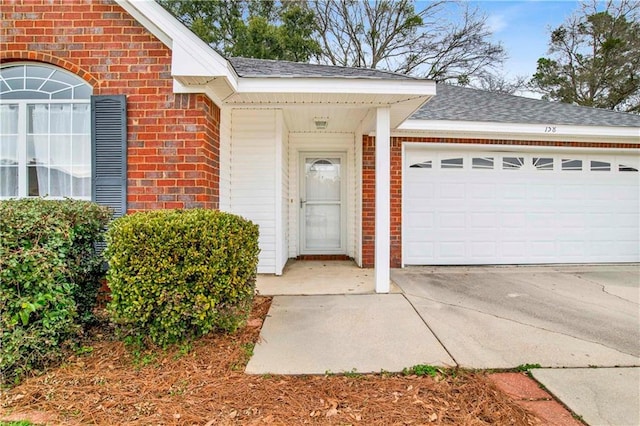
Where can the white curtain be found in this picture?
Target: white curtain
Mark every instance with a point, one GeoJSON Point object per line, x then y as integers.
{"type": "Point", "coordinates": [8, 150]}
{"type": "Point", "coordinates": [39, 154]}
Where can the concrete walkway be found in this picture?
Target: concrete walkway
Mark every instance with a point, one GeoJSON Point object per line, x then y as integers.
{"type": "Point", "coordinates": [364, 333]}
{"type": "Point", "coordinates": [487, 318]}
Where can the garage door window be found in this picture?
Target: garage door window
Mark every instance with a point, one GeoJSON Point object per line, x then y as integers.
{"type": "Point", "coordinates": [600, 166]}
{"type": "Point", "coordinates": [543, 163]}
{"type": "Point", "coordinates": [482, 163]}
{"type": "Point", "coordinates": [625, 168]}
{"type": "Point", "coordinates": [512, 163]}
{"type": "Point", "coordinates": [452, 163]}
{"type": "Point", "coordinates": [423, 165]}
{"type": "Point", "coordinates": [571, 165]}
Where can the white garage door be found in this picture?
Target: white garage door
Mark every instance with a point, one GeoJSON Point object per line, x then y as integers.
{"type": "Point", "coordinates": [519, 207]}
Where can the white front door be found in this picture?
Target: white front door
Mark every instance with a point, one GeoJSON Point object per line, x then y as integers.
{"type": "Point", "coordinates": [322, 203]}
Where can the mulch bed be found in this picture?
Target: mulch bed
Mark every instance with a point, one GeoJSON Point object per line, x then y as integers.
{"type": "Point", "coordinates": [205, 385]}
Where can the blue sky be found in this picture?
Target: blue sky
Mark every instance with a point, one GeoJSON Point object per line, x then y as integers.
{"type": "Point", "coordinates": [523, 28]}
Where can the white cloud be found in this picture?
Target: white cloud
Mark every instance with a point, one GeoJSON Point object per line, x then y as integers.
{"type": "Point", "coordinates": [496, 23]}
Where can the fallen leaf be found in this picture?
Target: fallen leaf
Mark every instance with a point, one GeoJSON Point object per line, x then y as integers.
{"type": "Point", "coordinates": [331, 412]}
{"type": "Point", "coordinates": [433, 417]}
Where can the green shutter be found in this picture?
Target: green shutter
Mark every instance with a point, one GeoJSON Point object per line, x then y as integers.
{"type": "Point", "coordinates": [109, 145]}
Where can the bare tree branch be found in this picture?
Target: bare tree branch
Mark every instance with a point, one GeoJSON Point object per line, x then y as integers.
{"type": "Point", "coordinates": [392, 35]}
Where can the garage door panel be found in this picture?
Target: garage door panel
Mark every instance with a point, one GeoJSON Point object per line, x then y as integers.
{"type": "Point", "coordinates": [513, 192]}
{"type": "Point", "coordinates": [572, 249]}
{"type": "Point", "coordinates": [482, 191]}
{"type": "Point", "coordinates": [572, 220]}
{"type": "Point", "coordinates": [420, 219]}
{"type": "Point", "coordinates": [513, 220]}
{"type": "Point", "coordinates": [450, 221]}
{"type": "Point", "coordinates": [452, 249]}
{"type": "Point", "coordinates": [452, 191]}
{"type": "Point", "coordinates": [483, 220]}
{"type": "Point", "coordinates": [521, 215]}
{"type": "Point", "coordinates": [540, 192]}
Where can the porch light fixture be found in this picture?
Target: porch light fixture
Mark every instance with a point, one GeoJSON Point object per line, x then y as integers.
{"type": "Point", "coordinates": [321, 122]}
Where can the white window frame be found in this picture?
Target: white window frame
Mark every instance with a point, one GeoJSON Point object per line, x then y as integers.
{"type": "Point", "coordinates": [23, 103]}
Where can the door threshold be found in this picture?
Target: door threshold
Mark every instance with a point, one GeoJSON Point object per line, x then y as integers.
{"type": "Point", "coordinates": [323, 257]}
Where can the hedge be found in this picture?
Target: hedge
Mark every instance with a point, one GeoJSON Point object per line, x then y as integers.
{"type": "Point", "coordinates": [179, 274]}
{"type": "Point", "coordinates": [49, 278]}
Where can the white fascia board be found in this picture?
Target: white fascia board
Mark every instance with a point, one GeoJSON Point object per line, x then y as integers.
{"type": "Point", "coordinates": [536, 131]}
{"type": "Point", "coordinates": [190, 55]}
{"type": "Point", "coordinates": [336, 85]}
{"type": "Point", "coordinates": [474, 147]}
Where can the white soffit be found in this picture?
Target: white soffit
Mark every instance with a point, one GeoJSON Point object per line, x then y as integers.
{"type": "Point", "coordinates": [543, 132]}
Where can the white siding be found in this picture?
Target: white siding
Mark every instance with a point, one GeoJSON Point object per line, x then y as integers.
{"type": "Point", "coordinates": [253, 182]}
{"type": "Point", "coordinates": [319, 142]}
{"type": "Point", "coordinates": [284, 218]}
{"type": "Point", "coordinates": [225, 159]}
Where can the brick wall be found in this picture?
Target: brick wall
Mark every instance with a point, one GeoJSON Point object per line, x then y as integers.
{"type": "Point", "coordinates": [173, 139]}
{"type": "Point", "coordinates": [368, 186]}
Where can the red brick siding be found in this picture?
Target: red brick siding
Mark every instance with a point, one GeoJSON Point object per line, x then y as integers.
{"type": "Point", "coordinates": [173, 139]}
{"type": "Point", "coordinates": [368, 185]}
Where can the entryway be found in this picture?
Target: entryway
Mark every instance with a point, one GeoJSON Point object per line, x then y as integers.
{"type": "Point", "coordinates": [317, 277]}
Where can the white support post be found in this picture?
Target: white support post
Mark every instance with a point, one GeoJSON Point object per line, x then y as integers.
{"type": "Point", "coordinates": [383, 199]}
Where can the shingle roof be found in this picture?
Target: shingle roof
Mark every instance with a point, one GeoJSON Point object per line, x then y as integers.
{"type": "Point", "coordinates": [451, 102]}
{"type": "Point", "coordinates": [465, 104]}
{"type": "Point", "coordinates": [250, 67]}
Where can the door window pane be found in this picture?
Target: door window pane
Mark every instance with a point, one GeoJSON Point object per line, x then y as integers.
{"type": "Point", "coordinates": [322, 227]}
{"type": "Point", "coordinates": [322, 179]}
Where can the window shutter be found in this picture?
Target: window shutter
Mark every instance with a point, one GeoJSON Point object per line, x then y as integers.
{"type": "Point", "coordinates": [109, 146]}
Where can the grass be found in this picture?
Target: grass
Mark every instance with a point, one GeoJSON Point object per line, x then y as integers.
{"type": "Point", "coordinates": [422, 370]}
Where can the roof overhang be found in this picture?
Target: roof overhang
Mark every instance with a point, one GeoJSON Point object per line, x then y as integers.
{"type": "Point", "coordinates": [516, 131]}
{"type": "Point", "coordinates": [197, 68]}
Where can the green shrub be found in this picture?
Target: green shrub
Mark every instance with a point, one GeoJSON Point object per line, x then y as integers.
{"type": "Point", "coordinates": [177, 274]}
{"type": "Point", "coordinates": [49, 276]}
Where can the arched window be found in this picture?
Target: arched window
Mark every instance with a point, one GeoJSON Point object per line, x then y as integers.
{"type": "Point", "coordinates": [45, 133]}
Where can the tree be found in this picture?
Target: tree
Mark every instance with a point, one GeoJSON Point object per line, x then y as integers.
{"type": "Point", "coordinates": [595, 58]}
{"type": "Point", "coordinates": [393, 35]}
{"type": "Point", "coordinates": [499, 83]}
{"type": "Point", "coordinates": [263, 29]}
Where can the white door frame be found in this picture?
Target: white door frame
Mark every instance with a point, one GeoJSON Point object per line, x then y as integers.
{"type": "Point", "coordinates": [303, 155]}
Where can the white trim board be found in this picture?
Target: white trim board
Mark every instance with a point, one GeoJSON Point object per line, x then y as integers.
{"type": "Point", "coordinates": [522, 131]}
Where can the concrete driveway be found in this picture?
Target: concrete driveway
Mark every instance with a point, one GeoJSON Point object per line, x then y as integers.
{"type": "Point", "coordinates": [564, 318]}
{"type": "Point", "coordinates": [570, 316]}
{"type": "Point", "coordinates": [502, 317]}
